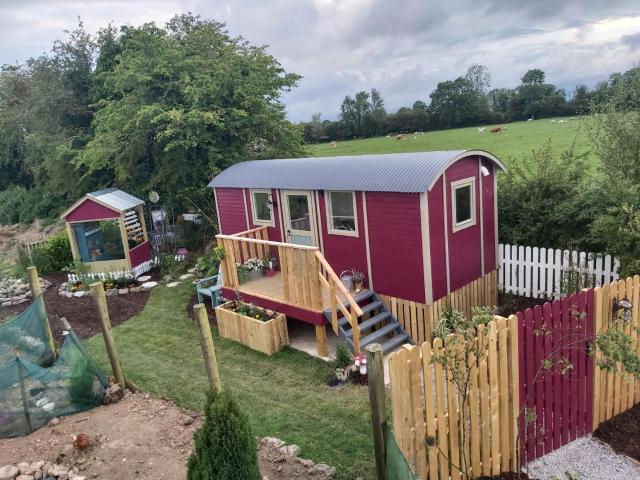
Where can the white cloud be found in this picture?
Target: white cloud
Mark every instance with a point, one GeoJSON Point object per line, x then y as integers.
{"type": "Point", "coordinates": [401, 48]}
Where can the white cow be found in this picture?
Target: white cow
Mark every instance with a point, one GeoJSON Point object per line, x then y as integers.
{"type": "Point", "coordinates": [482, 129]}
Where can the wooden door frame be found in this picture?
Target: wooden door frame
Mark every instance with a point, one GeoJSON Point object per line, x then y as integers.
{"type": "Point", "coordinates": [284, 202]}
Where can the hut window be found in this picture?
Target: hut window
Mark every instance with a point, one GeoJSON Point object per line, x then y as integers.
{"type": "Point", "coordinates": [262, 207]}
{"type": "Point", "coordinates": [133, 226]}
{"type": "Point", "coordinates": [341, 209]}
{"type": "Point", "coordinates": [463, 199]}
{"type": "Point", "coordinates": [99, 241]}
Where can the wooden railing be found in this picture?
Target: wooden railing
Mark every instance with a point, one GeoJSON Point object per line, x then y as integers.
{"type": "Point", "coordinates": [338, 293]}
{"type": "Point", "coordinates": [305, 274]}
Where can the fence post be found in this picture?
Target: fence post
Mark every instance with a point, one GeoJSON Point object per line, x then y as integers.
{"type": "Point", "coordinates": [36, 292]}
{"type": "Point", "coordinates": [97, 290]}
{"type": "Point", "coordinates": [208, 350]}
{"type": "Point", "coordinates": [375, 371]}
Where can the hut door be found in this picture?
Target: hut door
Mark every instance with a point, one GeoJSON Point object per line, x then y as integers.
{"type": "Point", "coordinates": [299, 218]}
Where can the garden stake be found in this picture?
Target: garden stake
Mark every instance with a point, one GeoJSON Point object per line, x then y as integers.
{"type": "Point", "coordinates": [36, 292]}
{"type": "Point", "coordinates": [97, 290]}
{"type": "Point", "coordinates": [208, 350]}
{"type": "Point", "coordinates": [375, 371]}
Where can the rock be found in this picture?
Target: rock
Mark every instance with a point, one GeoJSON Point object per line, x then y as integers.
{"type": "Point", "coordinates": [186, 420]}
{"type": "Point", "coordinates": [272, 442]}
{"type": "Point", "coordinates": [68, 294]}
{"type": "Point", "coordinates": [325, 469]}
{"type": "Point", "coordinates": [306, 462]}
{"type": "Point", "coordinates": [26, 468]}
{"type": "Point", "coordinates": [149, 285]}
{"type": "Point", "coordinates": [123, 291]}
{"type": "Point", "coordinates": [113, 394]}
{"type": "Point", "coordinates": [54, 422]}
{"type": "Point", "coordinates": [79, 293]}
{"type": "Point", "coordinates": [8, 472]}
{"type": "Point", "coordinates": [24, 477]}
{"type": "Point", "coordinates": [193, 270]}
{"type": "Point", "coordinates": [135, 289]}
{"type": "Point", "coordinates": [144, 278]}
{"type": "Point", "coordinates": [112, 292]}
{"type": "Point", "coordinates": [75, 476]}
{"type": "Point", "coordinates": [290, 450]}
{"type": "Point", "coordinates": [173, 284]}
{"type": "Point", "coordinates": [185, 276]}
{"type": "Point", "coordinates": [167, 278]}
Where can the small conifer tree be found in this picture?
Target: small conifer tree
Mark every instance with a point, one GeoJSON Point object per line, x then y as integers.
{"type": "Point", "coordinates": [224, 448]}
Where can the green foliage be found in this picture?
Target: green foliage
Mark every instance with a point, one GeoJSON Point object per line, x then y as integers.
{"type": "Point", "coordinates": [250, 310]}
{"type": "Point", "coordinates": [618, 350]}
{"type": "Point", "coordinates": [343, 356]}
{"type": "Point", "coordinates": [208, 263]}
{"type": "Point", "coordinates": [50, 257]}
{"type": "Point", "coordinates": [81, 379]}
{"type": "Point", "coordinates": [169, 265]}
{"type": "Point", "coordinates": [575, 276]}
{"type": "Point", "coordinates": [224, 448]}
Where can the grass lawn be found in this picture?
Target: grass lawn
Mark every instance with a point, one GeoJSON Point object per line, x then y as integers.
{"type": "Point", "coordinates": [519, 139]}
{"type": "Point", "coordinates": [285, 396]}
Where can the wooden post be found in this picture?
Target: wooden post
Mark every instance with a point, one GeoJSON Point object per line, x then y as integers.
{"type": "Point", "coordinates": [375, 371]}
{"type": "Point", "coordinates": [36, 291]}
{"type": "Point", "coordinates": [97, 290]}
{"type": "Point", "coordinates": [208, 350]}
{"type": "Point", "coordinates": [321, 340]}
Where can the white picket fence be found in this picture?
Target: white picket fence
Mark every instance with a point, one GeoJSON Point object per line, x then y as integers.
{"type": "Point", "coordinates": [131, 274]}
{"type": "Point", "coordinates": [536, 272]}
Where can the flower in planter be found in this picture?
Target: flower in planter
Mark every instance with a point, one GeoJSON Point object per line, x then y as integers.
{"type": "Point", "coordinates": [254, 264]}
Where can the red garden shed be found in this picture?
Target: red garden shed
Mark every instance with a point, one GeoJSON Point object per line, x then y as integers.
{"type": "Point", "coordinates": [421, 226]}
{"type": "Point", "coordinates": [107, 231]}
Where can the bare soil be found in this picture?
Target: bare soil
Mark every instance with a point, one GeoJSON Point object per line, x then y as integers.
{"type": "Point", "coordinates": [622, 433]}
{"type": "Point", "coordinates": [140, 437]}
{"type": "Point", "coordinates": [80, 312]}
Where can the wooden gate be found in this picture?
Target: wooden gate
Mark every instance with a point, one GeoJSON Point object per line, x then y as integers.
{"type": "Point", "coordinates": [556, 374]}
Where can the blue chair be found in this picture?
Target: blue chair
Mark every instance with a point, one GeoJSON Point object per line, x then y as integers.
{"type": "Point", "coordinates": [210, 287]}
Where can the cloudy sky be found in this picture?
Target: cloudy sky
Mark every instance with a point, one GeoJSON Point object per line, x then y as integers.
{"type": "Point", "coordinates": [401, 47]}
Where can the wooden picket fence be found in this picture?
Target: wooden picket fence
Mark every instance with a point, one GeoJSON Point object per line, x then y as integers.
{"type": "Point", "coordinates": [537, 387]}
{"type": "Point", "coordinates": [471, 435]}
{"type": "Point", "coordinates": [536, 272]}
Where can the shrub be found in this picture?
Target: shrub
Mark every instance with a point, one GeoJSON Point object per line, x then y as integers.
{"type": "Point", "coordinates": [224, 448]}
{"type": "Point", "coordinates": [343, 356]}
{"type": "Point", "coordinates": [52, 256]}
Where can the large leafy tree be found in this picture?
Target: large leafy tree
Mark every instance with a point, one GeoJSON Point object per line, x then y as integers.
{"type": "Point", "coordinates": [176, 105]}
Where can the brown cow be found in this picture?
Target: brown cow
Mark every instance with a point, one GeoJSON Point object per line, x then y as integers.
{"type": "Point", "coordinates": [496, 130]}
{"type": "Point", "coordinates": [399, 137]}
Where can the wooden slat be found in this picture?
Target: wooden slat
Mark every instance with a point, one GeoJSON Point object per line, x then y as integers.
{"type": "Point", "coordinates": [443, 433]}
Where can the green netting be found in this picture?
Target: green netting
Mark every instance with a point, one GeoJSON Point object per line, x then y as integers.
{"type": "Point", "coordinates": [28, 335]}
{"type": "Point", "coordinates": [31, 395]}
{"type": "Point", "coordinates": [396, 465]}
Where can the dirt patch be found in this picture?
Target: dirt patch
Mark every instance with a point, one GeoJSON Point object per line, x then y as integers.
{"type": "Point", "coordinates": [509, 304]}
{"type": "Point", "coordinates": [622, 433]}
{"type": "Point", "coordinates": [207, 303]}
{"type": "Point", "coordinates": [80, 312]}
{"type": "Point", "coordinates": [144, 438]}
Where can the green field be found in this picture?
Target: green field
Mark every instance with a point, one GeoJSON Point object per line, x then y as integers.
{"type": "Point", "coordinates": [519, 139]}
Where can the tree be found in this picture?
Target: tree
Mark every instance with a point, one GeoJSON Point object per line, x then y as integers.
{"type": "Point", "coordinates": [419, 106]}
{"type": "Point", "coordinates": [224, 447]}
{"type": "Point", "coordinates": [479, 78]}
{"type": "Point", "coordinates": [454, 103]}
{"type": "Point", "coordinates": [534, 76]}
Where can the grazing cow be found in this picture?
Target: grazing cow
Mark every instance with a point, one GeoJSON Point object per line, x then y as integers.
{"type": "Point", "coordinates": [333, 144]}
{"type": "Point", "coordinates": [497, 129]}
{"type": "Point", "coordinates": [399, 137]}
{"type": "Point", "coordinates": [482, 129]}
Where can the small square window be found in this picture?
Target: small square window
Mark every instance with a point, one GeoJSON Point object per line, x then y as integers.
{"type": "Point", "coordinates": [341, 213]}
{"type": "Point", "coordinates": [463, 199]}
{"type": "Point", "coordinates": [262, 211]}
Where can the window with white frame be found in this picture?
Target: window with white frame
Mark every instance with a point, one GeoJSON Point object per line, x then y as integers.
{"type": "Point", "coordinates": [341, 213]}
{"type": "Point", "coordinates": [262, 207]}
{"type": "Point", "coordinates": [463, 195]}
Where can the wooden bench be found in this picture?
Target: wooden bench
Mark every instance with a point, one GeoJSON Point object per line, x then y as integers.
{"type": "Point", "coordinates": [210, 287]}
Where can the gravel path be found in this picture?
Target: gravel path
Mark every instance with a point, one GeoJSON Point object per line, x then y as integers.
{"type": "Point", "coordinates": [587, 457]}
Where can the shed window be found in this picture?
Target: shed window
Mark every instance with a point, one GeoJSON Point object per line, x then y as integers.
{"type": "Point", "coordinates": [99, 241]}
{"type": "Point", "coordinates": [261, 206]}
{"type": "Point", "coordinates": [341, 208]}
{"type": "Point", "coordinates": [464, 210]}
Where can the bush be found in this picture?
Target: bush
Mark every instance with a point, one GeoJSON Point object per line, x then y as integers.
{"type": "Point", "coordinates": [19, 205]}
{"type": "Point", "coordinates": [224, 449]}
{"type": "Point", "coordinates": [343, 356]}
{"type": "Point", "coordinates": [52, 256]}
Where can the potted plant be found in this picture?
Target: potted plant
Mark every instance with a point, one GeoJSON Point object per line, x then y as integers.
{"type": "Point", "coordinates": [255, 268]}
{"type": "Point", "coordinates": [358, 278]}
{"type": "Point", "coordinates": [270, 265]}
{"type": "Point", "coordinates": [344, 362]}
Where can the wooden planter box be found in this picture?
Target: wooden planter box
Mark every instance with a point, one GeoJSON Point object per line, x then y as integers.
{"type": "Point", "coordinates": [267, 337]}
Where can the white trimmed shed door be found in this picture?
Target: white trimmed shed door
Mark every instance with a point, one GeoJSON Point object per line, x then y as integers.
{"type": "Point", "coordinates": [300, 227]}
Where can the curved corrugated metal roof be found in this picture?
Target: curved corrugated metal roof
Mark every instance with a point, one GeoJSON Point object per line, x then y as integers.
{"type": "Point", "coordinates": [117, 199]}
{"type": "Point", "coordinates": [395, 172]}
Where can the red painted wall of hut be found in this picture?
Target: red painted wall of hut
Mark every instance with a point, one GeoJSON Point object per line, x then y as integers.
{"type": "Point", "coordinates": [233, 218]}
{"type": "Point", "coordinates": [90, 210]}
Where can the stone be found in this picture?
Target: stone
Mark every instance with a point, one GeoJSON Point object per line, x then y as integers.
{"type": "Point", "coordinates": [123, 291]}
{"type": "Point", "coordinates": [24, 477]}
{"type": "Point", "coordinates": [273, 442]}
{"type": "Point", "coordinates": [75, 476]}
{"type": "Point", "coordinates": [68, 294]}
{"type": "Point", "coordinates": [8, 472]}
{"type": "Point", "coordinates": [144, 278]}
{"type": "Point", "coordinates": [135, 289]}
{"type": "Point", "coordinates": [54, 422]}
{"type": "Point", "coordinates": [325, 469]}
{"type": "Point", "coordinates": [290, 450]}
{"type": "Point", "coordinates": [193, 270]}
{"type": "Point", "coordinates": [26, 468]}
{"type": "Point", "coordinates": [112, 292]}
{"type": "Point", "coordinates": [185, 276]}
{"type": "Point", "coordinates": [79, 293]}
{"type": "Point", "coordinates": [167, 278]}
{"type": "Point", "coordinates": [172, 284]}
{"type": "Point", "coordinates": [149, 285]}
{"type": "Point", "coordinates": [306, 462]}
{"type": "Point", "coordinates": [186, 420]}
{"type": "Point", "coordinates": [113, 394]}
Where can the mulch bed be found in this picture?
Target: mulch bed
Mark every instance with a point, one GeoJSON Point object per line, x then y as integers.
{"type": "Point", "coordinates": [622, 433]}
{"type": "Point", "coordinates": [207, 303]}
{"type": "Point", "coordinates": [80, 312]}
